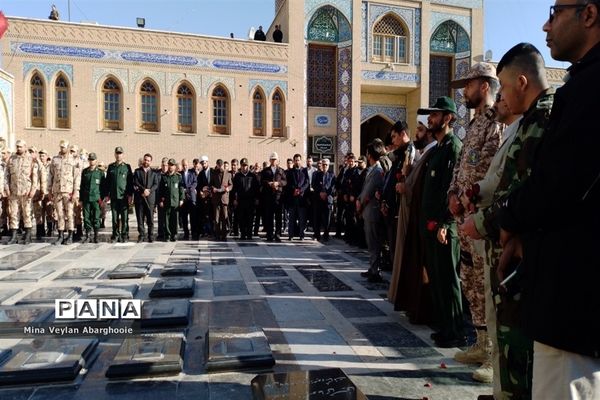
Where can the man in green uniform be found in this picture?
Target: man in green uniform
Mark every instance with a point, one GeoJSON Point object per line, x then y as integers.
{"type": "Point", "coordinates": [119, 187]}
{"type": "Point", "coordinates": [92, 182]}
{"type": "Point", "coordinates": [171, 195]}
{"type": "Point", "coordinates": [438, 227]}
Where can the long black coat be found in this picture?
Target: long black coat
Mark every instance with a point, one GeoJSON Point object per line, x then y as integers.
{"type": "Point", "coordinates": [139, 184]}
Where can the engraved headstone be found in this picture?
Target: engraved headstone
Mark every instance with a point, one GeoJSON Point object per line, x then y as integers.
{"type": "Point", "coordinates": [173, 287]}
{"type": "Point", "coordinates": [113, 292]}
{"type": "Point", "coordinates": [81, 273]}
{"type": "Point", "coordinates": [7, 293]}
{"type": "Point", "coordinates": [26, 276]}
{"type": "Point", "coordinates": [47, 360]}
{"type": "Point", "coordinates": [48, 295]}
{"type": "Point", "coordinates": [319, 384]}
{"type": "Point", "coordinates": [237, 347]}
{"type": "Point", "coordinates": [268, 271]}
{"type": "Point", "coordinates": [224, 261]}
{"type": "Point", "coordinates": [129, 271]}
{"type": "Point", "coordinates": [279, 286]}
{"type": "Point", "coordinates": [147, 356]}
{"type": "Point", "coordinates": [15, 261]}
{"type": "Point", "coordinates": [179, 269]}
{"type": "Point", "coordinates": [165, 313]}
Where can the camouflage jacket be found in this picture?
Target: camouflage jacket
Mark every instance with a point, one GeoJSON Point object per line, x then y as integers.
{"type": "Point", "coordinates": [480, 144]}
{"type": "Point", "coordinates": [519, 157]}
{"type": "Point", "coordinates": [65, 175]}
{"type": "Point", "coordinates": [22, 175]}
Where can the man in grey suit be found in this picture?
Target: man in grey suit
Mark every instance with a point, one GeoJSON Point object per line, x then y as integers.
{"type": "Point", "coordinates": [367, 206]}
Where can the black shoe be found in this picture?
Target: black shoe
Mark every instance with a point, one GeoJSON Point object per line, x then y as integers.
{"type": "Point", "coordinates": [150, 239]}
{"type": "Point", "coordinates": [277, 239]}
{"type": "Point", "coordinates": [173, 239]}
{"type": "Point", "coordinates": [141, 238]}
{"type": "Point", "coordinates": [376, 278]}
{"type": "Point", "coordinates": [365, 274]}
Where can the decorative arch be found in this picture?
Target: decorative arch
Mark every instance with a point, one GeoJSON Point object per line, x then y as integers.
{"type": "Point", "coordinates": [450, 37]}
{"type": "Point", "coordinates": [62, 101]}
{"type": "Point", "coordinates": [185, 96]}
{"type": "Point", "coordinates": [391, 39]}
{"type": "Point", "coordinates": [221, 109]}
{"type": "Point", "coordinates": [149, 95]}
{"type": "Point", "coordinates": [259, 102]}
{"type": "Point", "coordinates": [278, 112]}
{"type": "Point", "coordinates": [37, 96]}
{"type": "Point", "coordinates": [328, 25]}
{"type": "Point", "coordinates": [112, 103]}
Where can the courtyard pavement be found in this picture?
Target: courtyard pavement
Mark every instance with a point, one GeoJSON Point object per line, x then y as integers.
{"type": "Point", "coordinates": [309, 298]}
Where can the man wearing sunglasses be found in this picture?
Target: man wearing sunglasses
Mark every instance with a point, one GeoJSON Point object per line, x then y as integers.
{"type": "Point", "coordinates": [555, 212]}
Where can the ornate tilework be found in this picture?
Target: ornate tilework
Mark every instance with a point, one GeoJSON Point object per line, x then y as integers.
{"type": "Point", "coordinates": [450, 37]}
{"type": "Point", "coordinates": [174, 79]}
{"type": "Point", "coordinates": [417, 35]}
{"type": "Point", "coordinates": [208, 81]}
{"type": "Point", "coordinates": [310, 6]}
{"type": "Point", "coordinates": [328, 24]}
{"type": "Point", "coordinates": [393, 113]}
{"type": "Point", "coordinates": [464, 116]}
{"type": "Point", "coordinates": [268, 86]}
{"type": "Point", "coordinates": [344, 107]}
{"type": "Point", "coordinates": [136, 76]}
{"type": "Point", "coordinates": [406, 15]}
{"type": "Point", "coordinates": [364, 34]}
{"type": "Point", "coordinates": [437, 18]}
{"type": "Point", "coordinates": [158, 58]}
{"type": "Point", "coordinates": [69, 51]}
{"type": "Point", "coordinates": [49, 70]}
{"type": "Point", "coordinates": [390, 76]}
{"type": "Point", "coordinates": [246, 66]}
{"type": "Point", "coordinates": [460, 3]}
{"type": "Point", "coordinates": [102, 73]}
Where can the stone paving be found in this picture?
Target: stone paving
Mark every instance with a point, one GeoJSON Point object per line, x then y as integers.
{"type": "Point", "coordinates": [309, 299]}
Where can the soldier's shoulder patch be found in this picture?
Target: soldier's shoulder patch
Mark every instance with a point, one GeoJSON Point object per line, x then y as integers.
{"type": "Point", "coordinates": [473, 157]}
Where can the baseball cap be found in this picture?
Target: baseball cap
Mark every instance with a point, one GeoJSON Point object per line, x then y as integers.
{"type": "Point", "coordinates": [74, 148]}
{"type": "Point", "coordinates": [119, 149]}
{"type": "Point", "coordinates": [64, 143]}
{"type": "Point", "coordinates": [172, 161]}
{"type": "Point", "coordinates": [92, 156]}
{"type": "Point", "coordinates": [422, 119]}
{"type": "Point", "coordinates": [20, 143]}
{"type": "Point", "coordinates": [43, 151]}
{"type": "Point", "coordinates": [443, 103]}
{"type": "Point", "coordinates": [478, 70]}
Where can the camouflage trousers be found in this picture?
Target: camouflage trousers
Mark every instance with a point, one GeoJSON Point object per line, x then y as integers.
{"type": "Point", "coordinates": [64, 211]}
{"type": "Point", "coordinates": [78, 213]}
{"type": "Point", "coordinates": [514, 347]}
{"type": "Point", "coordinates": [19, 207]}
{"type": "Point", "coordinates": [472, 278]}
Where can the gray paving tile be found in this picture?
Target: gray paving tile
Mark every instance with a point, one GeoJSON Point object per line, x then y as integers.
{"type": "Point", "coordinates": [393, 340]}
{"type": "Point", "coordinates": [229, 288]}
{"type": "Point", "coordinates": [356, 307]}
{"type": "Point", "coordinates": [294, 309]}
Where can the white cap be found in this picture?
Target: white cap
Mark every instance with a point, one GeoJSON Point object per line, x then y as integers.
{"type": "Point", "coordinates": [274, 156]}
{"type": "Point", "coordinates": [422, 119]}
{"type": "Point", "coordinates": [204, 158]}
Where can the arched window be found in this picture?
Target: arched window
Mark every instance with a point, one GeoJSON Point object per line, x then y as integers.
{"type": "Point", "coordinates": [37, 101]}
{"type": "Point", "coordinates": [185, 109]}
{"type": "Point", "coordinates": [451, 38]}
{"type": "Point", "coordinates": [149, 109]}
{"type": "Point", "coordinates": [62, 103]}
{"type": "Point", "coordinates": [390, 42]}
{"type": "Point", "coordinates": [258, 113]}
{"type": "Point", "coordinates": [328, 24]}
{"type": "Point", "coordinates": [111, 95]}
{"type": "Point", "coordinates": [278, 114]}
{"type": "Point", "coordinates": [220, 102]}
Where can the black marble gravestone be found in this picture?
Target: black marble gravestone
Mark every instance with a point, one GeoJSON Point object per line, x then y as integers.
{"type": "Point", "coordinates": [165, 313]}
{"type": "Point", "coordinates": [47, 360]}
{"type": "Point", "coordinates": [179, 269]}
{"type": "Point", "coordinates": [26, 276]}
{"type": "Point", "coordinates": [263, 271]}
{"type": "Point", "coordinates": [14, 318]}
{"type": "Point", "coordinates": [113, 292]}
{"type": "Point", "coordinates": [279, 286]}
{"type": "Point", "coordinates": [147, 356]}
{"type": "Point", "coordinates": [318, 384]}
{"type": "Point", "coordinates": [129, 271]}
{"type": "Point", "coordinates": [17, 260]}
{"type": "Point", "coordinates": [80, 273]}
{"type": "Point", "coordinates": [237, 348]}
{"type": "Point", "coordinates": [48, 295]}
{"type": "Point", "coordinates": [323, 280]}
{"type": "Point", "coordinates": [223, 261]}
{"type": "Point", "coordinates": [173, 287]}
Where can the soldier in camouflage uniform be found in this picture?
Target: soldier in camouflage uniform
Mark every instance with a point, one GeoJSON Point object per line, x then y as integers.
{"type": "Point", "coordinates": [90, 194]}
{"type": "Point", "coordinates": [65, 178]}
{"type": "Point", "coordinates": [535, 102]}
{"type": "Point", "coordinates": [42, 192]}
{"type": "Point", "coordinates": [78, 209]}
{"type": "Point", "coordinates": [4, 203]}
{"type": "Point", "coordinates": [480, 144]}
{"type": "Point", "coordinates": [20, 185]}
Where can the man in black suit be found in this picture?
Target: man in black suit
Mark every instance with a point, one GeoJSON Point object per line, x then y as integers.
{"type": "Point", "coordinates": [323, 184]}
{"type": "Point", "coordinates": [203, 204]}
{"type": "Point", "coordinates": [245, 192]}
{"type": "Point", "coordinates": [145, 184]}
{"type": "Point", "coordinates": [188, 210]}
{"type": "Point", "coordinates": [272, 181]}
{"type": "Point", "coordinates": [297, 185]}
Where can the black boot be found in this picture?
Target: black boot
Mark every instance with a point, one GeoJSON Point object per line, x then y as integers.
{"type": "Point", "coordinates": [39, 231]}
{"type": "Point", "coordinates": [13, 237]}
{"type": "Point", "coordinates": [150, 236]}
{"type": "Point", "coordinates": [49, 228]}
{"type": "Point", "coordinates": [69, 238]}
{"type": "Point", "coordinates": [95, 240]}
{"type": "Point", "coordinates": [86, 238]}
{"type": "Point", "coordinates": [78, 234]}
{"type": "Point", "coordinates": [59, 238]}
{"type": "Point", "coordinates": [27, 236]}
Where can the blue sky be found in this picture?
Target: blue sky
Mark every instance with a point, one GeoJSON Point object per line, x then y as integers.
{"type": "Point", "coordinates": [507, 22]}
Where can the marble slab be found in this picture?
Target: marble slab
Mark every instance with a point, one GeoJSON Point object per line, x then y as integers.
{"type": "Point", "coordinates": [223, 261]}
{"type": "Point", "coordinates": [148, 356]}
{"type": "Point", "coordinates": [18, 260]}
{"type": "Point", "coordinates": [7, 293]}
{"type": "Point", "coordinates": [165, 313]}
{"type": "Point", "coordinates": [47, 360]}
{"type": "Point", "coordinates": [247, 244]}
{"type": "Point", "coordinates": [268, 271]}
{"type": "Point", "coordinates": [332, 257]}
{"type": "Point", "coordinates": [356, 307]}
{"type": "Point", "coordinates": [323, 280]}
{"type": "Point", "coordinates": [235, 348]}
{"type": "Point", "coordinates": [229, 288]}
{"type": "Point", "coordinates": [129, 271]}
{"type": "Point", "coordinates": [173, 287]}
{"type": "Point", "coordinates": [183, 260]}
{"type": "Point", "coordinates": [179, 269]}
{"type": "Point", "coordinates": [26, 276]}
{"type": "Point", "coordinates": [48, 295]}
{"type": "Point", "coordinates": [26, 315]}
{"type": "Point", "coordinates": [113, 292]}
{"type": "Point", "coordinates": [80, 273]}
{"type": "Point", "coordinates": [394, 341]}
{"type": "Point", "coordinates": [279, 286]}
{"type": "Point", "coordinates": [319, 384]}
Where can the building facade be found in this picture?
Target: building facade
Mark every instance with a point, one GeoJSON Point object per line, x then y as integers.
{"type": "Point", "coordinates": [345, 72]}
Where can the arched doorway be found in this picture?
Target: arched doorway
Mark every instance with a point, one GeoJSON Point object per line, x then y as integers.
{"type": "Point", "coordinates": [375, 127]}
